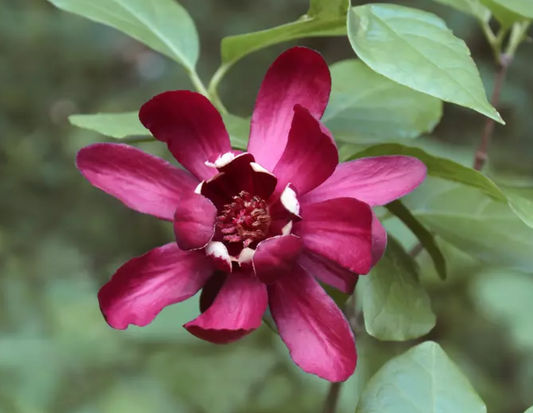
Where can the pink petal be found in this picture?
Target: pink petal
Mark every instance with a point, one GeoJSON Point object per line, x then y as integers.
{"type": "Point", "coordinates": [329, 272]}
{"type": "Point", "coordinates": [194, 221]}
{"type": "Point", "coordinates": [376, 181]}
{"type": "Point", "coordinates": [341, 230]}
{"type": "Point", "coordinates": [236, 311]}
{"type": "Point", "coordinates": [379, 240]}
{"type": "Point", "coordinates": [191, 127]}
{"type": "Point", "coordinates": [141, 181]}
{"type": "Point", "coordinates": [211, 290]}
{"type": "Point", "coordinates": [315, 331]}
{"type": "Point", "coordinates": [143, 286]}
{"type": "Point", "coordinates": [264, 181]}
{"type": "Point", "coordinates": [310, 156]}
{"type": "Point", "coordinates": [276, 256]}
{"type": "Point", "coordinates": [286, 205]}
{"type": "Point", "coordinates": [298, 76]}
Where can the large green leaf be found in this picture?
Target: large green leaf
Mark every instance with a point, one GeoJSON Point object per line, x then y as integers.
{"type": "Point", "coordinates": [395, 306]}
{"type": "Point", "coordinates": [473, 7]}
{"type": "Point", "coordinates": [324, 18]}
{"type": "Point", "coordinates": [416, 49]}
{"type": "Point", "coordinates": [422, 380]}
{"type": "Point", "coordinates": [365, 105]}
{"type": "Point", "coordinates": [509, 11]}
{"type": "Point", "coordinates": [127, 124]}
{"type": "Point", "coordinates": [114, 125]}
{"type": "Point", "coordinates": [439, 167]}
{"type": "Point", "coordinates": [424, 236]}
{"type": "Point", "coordinates": [530, 410]}
{"type": "Point", "coordinates": [476, 224]}
{"type": "Point", "coordinates": [163, 25]}
{"type": "Point", "coordinates": [521, 202]}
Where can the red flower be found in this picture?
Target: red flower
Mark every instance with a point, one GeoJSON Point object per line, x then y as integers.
{"type": "Point", "coordinates": [253, 229]}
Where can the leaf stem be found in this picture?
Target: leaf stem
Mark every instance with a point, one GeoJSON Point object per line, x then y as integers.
{"type": "Point", "coordinates": [213, 86]}
{"type": "Point", "coordinates": [197, 82]}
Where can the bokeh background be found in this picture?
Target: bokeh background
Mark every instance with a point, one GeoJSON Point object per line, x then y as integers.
{"type": "Point", "coordinates": [60, 239]}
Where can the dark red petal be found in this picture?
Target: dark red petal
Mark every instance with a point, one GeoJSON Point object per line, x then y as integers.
{"type": "Point", "coordinates": [339, 229]}
{"type": "Point", "coordinates": [141, 181]}
{"type": "Point", "coordinates": [211, 290]}
{"type": "Point", "coordinates": [236, 311]}
{"type": "Point", "coordinates": [276, 256]}
{"type": "Point", "coordinates": [264, 181]}
{"type": "Point", "coordinates": [376, 181]}
{"type": "Point", "coordinates": [143, 286]}
{"type": "Point", "coordinates": [194, 221]}
{"type": "Point", "coordinates": [286, 206]}
{"type": "Point", "coordinates": [310, 156]}
{"type": "Point", "coordinates": [191, 127]}
{"type": "Point", "coordinates": [328, 271]}
{"type": "Point", "coordinates": [314, 329]}
{"type": "Point", "coordinates": [298, 76]}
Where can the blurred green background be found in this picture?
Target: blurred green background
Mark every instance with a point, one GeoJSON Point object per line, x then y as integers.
{"type": "Point", "coordinates": [60, 239]}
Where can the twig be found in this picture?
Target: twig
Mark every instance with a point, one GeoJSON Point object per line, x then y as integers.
{"type": "Point", "coordinates": [501, 71]}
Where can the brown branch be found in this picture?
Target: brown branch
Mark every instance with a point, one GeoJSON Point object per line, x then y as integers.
{"type": "Point", "coordinates": [501, 71]}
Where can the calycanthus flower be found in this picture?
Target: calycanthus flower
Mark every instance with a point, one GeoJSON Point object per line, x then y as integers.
{"type": "Point", "coordinates": [256, 229]}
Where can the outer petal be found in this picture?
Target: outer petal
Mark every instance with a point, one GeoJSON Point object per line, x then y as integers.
{"type": "Point", "coordinates": [310, 156]}
{"type": "Point", "coordinates": [376, 181]}
{"type": "Point", "coordinates": [276, 256]}
{"type": "Point", "coordinates": [341, 230]}
{"type": "Point", "coordinates": [191, 127]}
{"type": "Point", "coordinates": [298, 76]}
{"type": "Point", "coordinates": [194, 221]}
{"type": "Point", "coordinates": [141, 181]}
{"type": "Point", "coordinates": [379, 240]}
{"type": "Point", "coordinates": [143, 286]}
{"type": "Point", "coordinates": [328, 271]}
{"type": "Point", "coordinates": [318, 336]}
{"type": "Point", "coordinates": [236, 311]}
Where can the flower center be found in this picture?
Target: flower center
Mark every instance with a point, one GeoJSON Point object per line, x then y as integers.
{"type": "Point", "coordinates": [245, 220]}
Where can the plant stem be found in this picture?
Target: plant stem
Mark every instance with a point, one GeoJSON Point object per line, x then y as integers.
{"type": "Point", "coordinates": [330, 405]}
{"type": "Point", "coordinates": [480, 157]}
{"type": "Point", "coordinates": [213, 86]}
{"type": "Point", "coordinates": [197, 83]}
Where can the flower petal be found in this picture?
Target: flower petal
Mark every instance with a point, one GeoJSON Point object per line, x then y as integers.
{"type": "Point", "coordinates": [236, 311]}
{"type": "Point", "coordinates": [286, 205]}
{"type": "Point", "coordinates": [341, 230]}
{"type": "Point", "coordinates": [314, 329]}
{"type": "Point", "coordinates": [211, 290]}
{"type": "Point", "coordinates": [276, 256]}
{"type": "Point", "coordinates": [376, 181]}
{"type": "Point", "coordinates": [379, 240]}
{"type": "Point", "coordinates": [264, 181]}
{"type": "Point", "coordinates": [298, 76]}
{"type": "Point", "coordinates": [310, 156]}
{"type": "Point", "coordinates": [218, 253]}
{"type": "Point", "coordinates": [191, 127]}
{"type": "Point", "coordinates": [328, 271]}
{"type": "Point", "coordinates": [143, 182]}
{"type": "Point", "coordinates": [194, 221]}
{"type": "Point", "coordinates": [143, 286]}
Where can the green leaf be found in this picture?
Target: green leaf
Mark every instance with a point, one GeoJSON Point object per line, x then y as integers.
{"type": "Point", "coordinates": [115, 125]}
{"type": "Point", "coordinates": [238, 129]}
{"type": "Point", "coordinates": [416, 49]}
{"type": "Point", "coordinates": [424, 236]}
{"type": "Point", "coordinates": [474, 223]}
{"type": "Point", "coordinates": [472, 7]}
{"type": "Point", "coordinates": [127, 124]}
{"type": "Point", "coordinates": [521, 203]}
{"type": "Point", "coordinates": [530, 410]}
{"type": "Point", "coordinates": [395, 306]}
{"type": "Point", "coordinates": [422, 380]}
{"type": "Point", "coordinates": [163, 25]}
{"type": "Point", "coordinates": [509, 11]}
{"type": "Point", "coordinates": [439, 167]}
{"type": "Point", "coordinates": [324, 18]}
{"type": "Point", "coordinates": [364, 104]}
